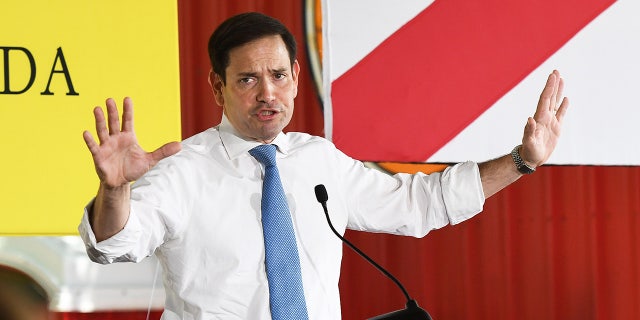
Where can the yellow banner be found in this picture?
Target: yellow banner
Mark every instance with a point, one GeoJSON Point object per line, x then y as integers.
{"type": "Point", "coordinates": [58, 60]}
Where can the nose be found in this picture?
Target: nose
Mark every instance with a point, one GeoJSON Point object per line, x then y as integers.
{"type": "Point", "coordinates": [266, 92]}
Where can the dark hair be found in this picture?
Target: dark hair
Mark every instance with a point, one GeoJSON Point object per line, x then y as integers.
{"type": "Point", "coordinates": [241, 29]}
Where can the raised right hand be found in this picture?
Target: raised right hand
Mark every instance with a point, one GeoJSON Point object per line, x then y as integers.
{"type": "Point", "coordinates": [118, 158]}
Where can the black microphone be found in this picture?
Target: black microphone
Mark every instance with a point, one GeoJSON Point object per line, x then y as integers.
{"type": "Point", "coordinates": [412, 310]}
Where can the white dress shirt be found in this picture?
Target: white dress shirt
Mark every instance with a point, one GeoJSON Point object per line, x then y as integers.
{"type": "Point", "coordinates": [199, 212]}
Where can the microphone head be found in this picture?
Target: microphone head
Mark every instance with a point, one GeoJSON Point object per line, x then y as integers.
{"type": "Point", "coordinates": [321, 193]}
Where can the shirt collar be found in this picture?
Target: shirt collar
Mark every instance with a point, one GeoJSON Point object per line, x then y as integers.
{"type": "Point", "coordinates": [236, 145]}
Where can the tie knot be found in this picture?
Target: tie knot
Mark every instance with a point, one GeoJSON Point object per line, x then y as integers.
{"type": "Point", "coordinates": [265, 154]}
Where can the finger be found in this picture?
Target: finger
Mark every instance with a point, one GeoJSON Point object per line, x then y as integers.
{"type": "Point", "coordinates": [101, 125]}
{"type": "Point", "coordinates": [127, 115]}
{"type": "Point", "coordinates": [560, 90]}
{"type": "Point", "coordinates": [166, 150]}
{"type": "Point", "coordinates": [113, 117]}
{"type": "Point", "coordinates": [544, 103]}
{"type": "Point", "coordinates": [91, 143]}
{"type": "Point", "coordinates": [563, 109]}
{"type": "Point", "coordinates": [553, 77]}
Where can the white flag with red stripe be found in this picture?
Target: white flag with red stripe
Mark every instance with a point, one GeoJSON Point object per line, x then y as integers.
{"type": "Point", "coordinates": [453, 80]}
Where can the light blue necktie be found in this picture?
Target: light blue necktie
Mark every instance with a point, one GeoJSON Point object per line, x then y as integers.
{"type": "Point", "coordinates": [286, 295]}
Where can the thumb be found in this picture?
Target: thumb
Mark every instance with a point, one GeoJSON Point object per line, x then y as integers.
{"type": "Point", "coordinates": [529, 130]}
{"type": "Point", "coordinates": [165, 151]}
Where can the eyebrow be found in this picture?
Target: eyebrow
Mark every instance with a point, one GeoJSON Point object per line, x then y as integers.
{"type": "Point", "coordinates": [280, 70]}
{"type": "Point", "coordinates": [253, 74]}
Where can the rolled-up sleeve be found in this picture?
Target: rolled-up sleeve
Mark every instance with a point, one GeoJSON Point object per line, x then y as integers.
{"type": "Point", "coordinates": [462, 191]}
{"type": "Point", "coordinates": [412, 204]}
{"type": "Point", "coordinates": [115, 249]}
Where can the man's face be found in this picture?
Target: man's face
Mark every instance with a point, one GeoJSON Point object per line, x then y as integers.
{"type": "Point", "coordinates": [260, 87]}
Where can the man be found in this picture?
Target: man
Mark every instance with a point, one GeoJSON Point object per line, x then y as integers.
{"type": "Point", "coordinates": [199, 205]}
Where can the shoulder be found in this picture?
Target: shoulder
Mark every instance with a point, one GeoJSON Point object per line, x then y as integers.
{"type": "Point", "coordinates": [196, 146]}
{"type": "Point", "coordinates": [207, 139]}
{"type": "Point", "coordinates": [315, 148]}
{"type": "Point", "coordinates": [300, 141]}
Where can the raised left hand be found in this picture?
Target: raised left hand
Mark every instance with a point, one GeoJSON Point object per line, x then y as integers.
{"type": "Point", "coordinates": [542, 131]}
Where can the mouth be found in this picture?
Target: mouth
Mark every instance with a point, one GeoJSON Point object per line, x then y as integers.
{"type": "Point", "coordinates": [267, 114]}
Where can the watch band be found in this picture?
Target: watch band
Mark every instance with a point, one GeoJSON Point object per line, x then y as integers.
{"type": "Point", "coordinates": [520, 164]}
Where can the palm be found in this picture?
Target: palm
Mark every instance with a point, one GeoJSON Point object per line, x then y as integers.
{"type": "Point", "coordinates": [118, 158]}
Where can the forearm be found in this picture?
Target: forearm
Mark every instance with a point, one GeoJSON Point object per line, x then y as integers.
{"type": "Point", "coordinates": [110, 211]}
{"type": "Point", "coordinates": [497, 174]}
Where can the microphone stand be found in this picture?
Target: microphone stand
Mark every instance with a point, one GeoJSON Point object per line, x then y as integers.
{"type": "Point", "coordinates": [412, 310]}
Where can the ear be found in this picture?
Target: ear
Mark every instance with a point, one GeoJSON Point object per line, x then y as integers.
{"type": "Point", "coordinates": [295, 72]}
{"type": "Point", "coordinates": [216, 85]}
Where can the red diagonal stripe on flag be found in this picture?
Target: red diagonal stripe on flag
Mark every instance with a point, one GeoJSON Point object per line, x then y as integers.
{"type": "Point", "coordinates": [443, 69]}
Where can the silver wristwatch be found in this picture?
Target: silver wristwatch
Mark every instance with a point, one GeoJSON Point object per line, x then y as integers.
{"type": "Point", "coordinates": [520, 164]}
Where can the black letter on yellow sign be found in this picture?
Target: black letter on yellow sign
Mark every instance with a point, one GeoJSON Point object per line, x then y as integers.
{"type": "Point", "coordinates": [65, 70]}
{"type": "Point", "coordinates": [32, 65]}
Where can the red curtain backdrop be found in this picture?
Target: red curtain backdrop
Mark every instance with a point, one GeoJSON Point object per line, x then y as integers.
{"type": "Point", "coordinates": [559, 244]}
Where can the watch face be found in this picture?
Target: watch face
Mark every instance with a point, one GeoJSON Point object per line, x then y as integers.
{"type": "Point", "coordinates": [525, 169]}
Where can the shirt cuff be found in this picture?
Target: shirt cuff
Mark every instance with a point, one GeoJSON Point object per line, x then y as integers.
{"type": "Point", "coordinates": [462, 191]}
{"type": "Point", "coordinates": [117, 247]}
